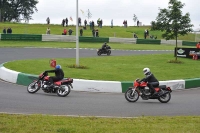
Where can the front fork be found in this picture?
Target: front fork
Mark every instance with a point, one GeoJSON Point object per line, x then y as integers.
{"type": "Point", "coordinates": [133, 91]}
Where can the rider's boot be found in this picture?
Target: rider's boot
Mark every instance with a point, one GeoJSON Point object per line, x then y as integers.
{"type": "Point", "coordinates": [51, 86]}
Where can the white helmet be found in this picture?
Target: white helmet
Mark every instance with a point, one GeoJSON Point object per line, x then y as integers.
{"type": "Point", "coordinates": [146, 71]}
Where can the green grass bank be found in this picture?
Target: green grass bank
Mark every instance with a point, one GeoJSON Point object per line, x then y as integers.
{"type": "Point", "coordinates": [106, 31]}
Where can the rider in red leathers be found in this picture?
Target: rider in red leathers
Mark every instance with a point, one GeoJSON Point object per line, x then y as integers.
{"type": "Point", "coordinates": [59, 75]}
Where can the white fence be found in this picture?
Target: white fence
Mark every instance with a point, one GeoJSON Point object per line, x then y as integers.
{"type": "Point", "coordinates": [58, 38]}
{"type": "Point", "coordinates": [172, 42]}
{"type": "Point", "coordinates": [122, 40]}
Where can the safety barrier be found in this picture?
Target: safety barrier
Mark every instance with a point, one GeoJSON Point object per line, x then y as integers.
{"type": "Point", "coordinates": [72, 38]}
{"type": "Point", "coordinates": [187, 43]}
{"type": "Point", "coordinates": [122, 40]}
{"type": "Point", "coordinates": [21, 37]}
{"type": "Point", "coordinates": [93, 39]}
{"type": "Point", "coordinates": [95, 85]}
{"type": "Point", "coordinates": [148, 41]}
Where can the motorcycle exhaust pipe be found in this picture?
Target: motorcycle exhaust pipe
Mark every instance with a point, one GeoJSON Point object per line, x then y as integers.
{"type": "Point", "coordinates": [164, 93]}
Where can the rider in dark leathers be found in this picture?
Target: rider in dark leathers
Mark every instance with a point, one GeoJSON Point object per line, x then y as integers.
{"type": "Point", "coordinates": [59, 75]}
{"type": "Point", "coordinates": [152, 81]}
{"type": "Point", "coordinates": [104, 46]}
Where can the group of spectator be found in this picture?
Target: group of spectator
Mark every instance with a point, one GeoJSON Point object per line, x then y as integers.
{"type": "Point", "coordinates": [125, 23]}
{"type": "Point", "coordinates": [7, 31]}
{"type": "Point", "coordinates": [91, 25]}
{"type": "Point", "coordinates": [69, 31]}
{"type": "Point", "coordinates": [95, 32]}
{"type": "Point", "coordinates": [100, 22]}
{"type": "Point", "coordinates": [146, 34]}
{"type": "Point", "coordinates": [64, 22]}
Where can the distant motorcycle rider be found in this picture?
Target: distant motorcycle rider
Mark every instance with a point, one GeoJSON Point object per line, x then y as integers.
{"type": "Point", "coordinates": [104, 46]}
{"type": "Point", "coordinates": [59, 75]}
{"type": "Point", "coordinates": [152, 81]}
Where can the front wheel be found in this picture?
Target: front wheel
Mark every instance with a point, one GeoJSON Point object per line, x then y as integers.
{"type": "Point", "coordinates": [99, 53]}
{"type": "Point", "coordinates": [131, 96]}
{"type": "Point", "coordinates": [64, 90]}
{"type": "Point", "coordinates": [109, 52]}
{"type": "Point", "coordinates": [33, 87]}
{"type": "Point", "coordinates": [165, 98]}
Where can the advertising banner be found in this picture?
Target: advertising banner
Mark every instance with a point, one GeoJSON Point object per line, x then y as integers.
{"type": "Point", "coordinates": [186, 52]}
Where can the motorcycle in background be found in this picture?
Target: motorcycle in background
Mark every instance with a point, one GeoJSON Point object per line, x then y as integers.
{"type": "Point", "coordinates": [102, 51]}
{"type": "Point", "coordinates": [141, 89]}
{"type": "Point", "coordinates": [62, 87]}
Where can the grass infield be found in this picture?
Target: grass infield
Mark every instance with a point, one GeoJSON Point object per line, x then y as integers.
{"type": "Point", "coordinates": [105, 68]}
{"type": "Point", "coordinates": [61, 124]}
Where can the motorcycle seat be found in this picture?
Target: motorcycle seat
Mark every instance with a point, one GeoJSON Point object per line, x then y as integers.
{"type": "Point", "coordinates": [162, 86]}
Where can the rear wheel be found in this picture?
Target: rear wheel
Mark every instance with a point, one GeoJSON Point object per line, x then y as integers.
{"type": "Point", "coordinates": [165, 98]}
{"type": "Point", "coordinates": [33, 87]}
{"type": "Point", "coordinates": [64, 90]}
{"type": "Point", "coordinates": [109, 52]}
{"type": "Point", "coordinates": [131, 96]}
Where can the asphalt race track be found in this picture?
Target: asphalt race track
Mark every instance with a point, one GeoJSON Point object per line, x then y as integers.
{"type": "Point", "coordinates": [15, 98]}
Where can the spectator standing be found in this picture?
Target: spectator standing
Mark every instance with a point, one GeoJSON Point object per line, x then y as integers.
{"type": "Point", "coordinates": [97, 32]}
{"type": "Point", "coordinates": [64, 32]}
{"type": "Point", "coordinates": [9, 30]}
{"type": "Point", "coordinates": [93, 32]}
{"type": "Point", "coordinates": [70, 31]}
{"type": "Point", "coordinates": [79, 21]}
{"type": "Point", "coordinates": [135, 36]}
{"type": "Point", "coordinates": [4, 30]}
{"type": "Point", "coordinates": [145, 34]}
{"type": "Point", "coordinates": [81, 32]}
{"type": "Point", "coordinates": [124, 23]}
{"type": "Point", "coordinates": [138, 22]}
{"type": "Point", "coordinates": [98, 22]}
{"type": "Point", "coordinates": [66, 21]}
{"type": "Point", "coordinates": [198, 45]}
{"type": "Point", "coordinates": [48, 31]}
{"type": "Point", "coordinates": [101, 23]}
{"type": "Point", "coordinates": [48, 20]}
{"type": "Point", "coordinates": [112, 23]}
{"type": "Point", "coordinates": [85, 23]}
{"type": "Point", "coordinates": [63, 22]}
{"type": "Point", "coordinates": [90, 25]}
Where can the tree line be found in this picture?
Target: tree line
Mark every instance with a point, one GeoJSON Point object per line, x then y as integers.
{"type": "Point", "coordinates": [17, 10]}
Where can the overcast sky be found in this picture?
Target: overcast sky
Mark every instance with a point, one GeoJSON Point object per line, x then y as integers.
{"type": "Point", "coordinates": [118, 10]}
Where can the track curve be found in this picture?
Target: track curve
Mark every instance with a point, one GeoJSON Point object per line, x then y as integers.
{"type": "Point", "coordinates": [15, 98]}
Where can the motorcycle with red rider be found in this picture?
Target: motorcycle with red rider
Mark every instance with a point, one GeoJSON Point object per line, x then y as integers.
{"type": "Point", "coordinates": [61, 86]}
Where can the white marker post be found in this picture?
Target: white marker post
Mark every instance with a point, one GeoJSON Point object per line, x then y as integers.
{"type": "Point", "coordinates": [77, 38]}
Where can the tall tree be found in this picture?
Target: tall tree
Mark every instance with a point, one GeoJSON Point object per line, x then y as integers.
{"type": "Point", "coordinates": [172, 21]}
{"type": "Point", "coordinates": [17, 9]}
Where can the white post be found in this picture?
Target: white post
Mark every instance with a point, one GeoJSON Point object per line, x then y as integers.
{"type": "Point", "coordinates": [77, 38]}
